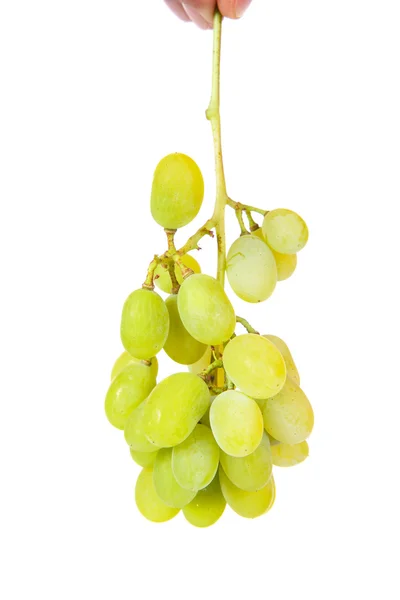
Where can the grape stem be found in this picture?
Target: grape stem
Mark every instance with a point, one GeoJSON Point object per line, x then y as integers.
{"type": "Point", "coordinates": [246, 325]}
{"type": "Point", "coordinates": [246, 207]}
{"type": "Point", "coordinates": [217, 364]}
{"type": "Point", "coordinates": [239, 216]}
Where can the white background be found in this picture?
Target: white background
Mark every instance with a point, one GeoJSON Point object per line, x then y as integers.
{"type": "Point", "coordinates": [93, 94]}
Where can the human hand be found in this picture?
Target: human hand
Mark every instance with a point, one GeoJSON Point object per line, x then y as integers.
{"type": "Point", "coordinates": [201, 12]}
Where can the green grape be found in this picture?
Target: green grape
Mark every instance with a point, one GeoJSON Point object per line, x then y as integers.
{"type": "Point", "coordinates": [163, 280]}
{"type": "Point", "coordinates": [255, 365]}
{"type": "Point", "coordinates": [148, 501]}
{"type": "Point", "coordinates": [207, 506]}
{"type": "Point", "coordinates": [285, 263]}
{"type": "Point", "coordinates": [180, 345]}
{"type": "Point", "coordinates": [247, 504]}
{"type": "Point", "coordinates": [236, 422]}
{"type": "Point", "coordinates": [127, 391]}
{"type": "Point", "coordinates": [167, 488]}
{"type": "Point", "coordinates": [144, 459]}
{"type": "Point", "coordinates": [287, 357]}
{"type": "Point", "coordinates": [177, 192]}
{"type": "Point", "coordinates": [251, 269]}
{"type": "Point", "coordinates": [252, 472]}
{"type": "Point", "coordinates": [288, 416]}
{"type": "Point", "coordinates": [144, 324]}
{"type": "Point", "coordinates": [285, 231]}
{"type": "Point", "coordinates": [134, 432]}
{"type": "Point", "coordinates": [202, 363]}
{"type": "Point", "coordinates": [174, 408]}
{"type": "Point", "coordinates": [195, 461]}
{"type": "Point", "coordinates": [205, 310]}
{"type": "Point", "coordinates": [272, 440]}
{"type": "Point", "coordinates": [126, 359]}
{"type": "Point", "coordinates": [286, 455]}
{"type": "Point", "coordinates": [205, 419]}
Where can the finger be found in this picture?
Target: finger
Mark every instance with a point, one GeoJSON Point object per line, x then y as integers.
{"type": "Point", "coordinates": [233, 8]}
{"type": "Point", "coordinates": [204, 8]}
{"type": "Point", "coordinates": [178, 9]}
{"type": "Point", "coordinates": [196, 17]}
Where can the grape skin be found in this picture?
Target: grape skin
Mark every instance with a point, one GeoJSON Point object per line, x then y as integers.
{"type": "Point", "coordinates": [250, 473]}
{"type": "Point", "coordinates": [251, 269]}
{"type": "Point", "coordinates": [207, 507]}
{"type": "Point", "coordinates": [285, 455]}
{"type": "Point", "coordinates": [144, 324]}
{"type": "Point", "coordinates": [285, 263]}
{"type": "Point", "coordinates": [195, 461]}
{"type": "Point", "coordinates": [125, 359]}
{"type": "Point", "coordinates": [247, 504]}
{"type": "Point", "coordinates": [177, 192]}
{"type": "Point", "coordinates": [127, 391]}
{"type": "Point", "coordinates": [287, 357]}
{"type": "Point", "coordinates": [236, 422]}
{"type": "Point", "coordinates": [174, 408]}
{"type": "Point", "coordinates": [285, 231]}
{"type": "Point", "coordinates": [202, 363]}
{"type": "Point", "coordinates": [205, 310]}
{"type": "Point", "coordinates": [148, 502]}
{"type": "Point", "coordinates": [180, 345]}
{"type": "Point", "coordinates": [166, 486]}
{"type": "Point", "coordinates": [288, 416]}
{"type": "Point", "coordinates": [255, 365]}
{"type": "Point", "coordinates": [134, 432]}
{"type": "Point", "coordinates": [144, 459]}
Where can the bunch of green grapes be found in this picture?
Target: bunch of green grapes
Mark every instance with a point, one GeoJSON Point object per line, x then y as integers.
{"type": "Point", "coordinates": [209, 434]}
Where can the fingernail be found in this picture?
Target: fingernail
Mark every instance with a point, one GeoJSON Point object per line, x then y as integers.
{"type": "Point", "coordinates": [240, 7]}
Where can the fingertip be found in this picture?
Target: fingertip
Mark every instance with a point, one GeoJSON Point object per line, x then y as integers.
{"type": "Point", "coordinates": [233, 9]}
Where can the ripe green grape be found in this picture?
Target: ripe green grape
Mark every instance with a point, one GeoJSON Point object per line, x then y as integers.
{"type": "Point", "coordinates": [236, 422]}
{"type": "Point", "coordinates": [144, 459]}
{"type": "Point", "coordinates": [167, 488]}
{"type": "Point", "coordinates": [251, 269]}
{"type": "Point", "coordinates": [287, 357]}
{"type": "Point", "coordinates": [163, 280]}
{"type": "Point", "coordinates": [127, 391]}
{"type": "Point", "coordinates": [252, 472]}
{"type": "Point", "coordinates": [272, 440]}
{"type": "Point", "coordinates": [144, 324]}
{"type": "Point", "coordinates": [134, 432]}
{"type": "Point", "coordinates": [205, 419]}
{"type": "Point", "coordinates": [285, 455]}
{"type": "Point", "coordinates": [174, 408]}
{"type": "Point", "coordinates": [255, 365]}
{"type": "Point", "coordinates": [285, 231]}
{"type": "Point", "coordinates": [207, 506]}
{"type": "Point", "coordinates": [180, 345]}
{"type": "Point", "coordinates": [177, 192]}
{"type": "Point", "coordinates": [126, 359]}
{"type": "Point", "coordinates": [288, 416]}
{"type": "Point", "coordinates": [195, 461]}
{"type": "Point", "coordinates": [202, 363]}
{"type": "Point", "coordinates": [148, 501]}
{"type": "Point", "coordinates": [205, 310]}
{"type": "Point", "coordinates": [285, 263]}
{"type": "Point", "coordinates": [247, 504]}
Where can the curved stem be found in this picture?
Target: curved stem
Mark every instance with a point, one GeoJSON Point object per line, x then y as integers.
{"type": "Point", "coordinates": [213, 115]}
{"type": "Point", "coordinates": [246, 325]}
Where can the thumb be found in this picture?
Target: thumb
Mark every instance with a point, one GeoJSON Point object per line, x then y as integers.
{"type": "Point", "coordinates": [233, 8]}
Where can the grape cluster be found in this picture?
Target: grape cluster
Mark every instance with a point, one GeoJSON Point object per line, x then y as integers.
{"type": "Point", "coordinates": [209, 435]}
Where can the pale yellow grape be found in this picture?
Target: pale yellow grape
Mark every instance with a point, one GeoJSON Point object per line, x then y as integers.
{"type": "Point", "coordinates": [252, 472]}
{"type": "Point", "coordinates": [125, 359]}
{"type": "Point", "coordinates": [255, 365]}
{"type": "Point", "coordinates": [285, 263]}
{"type": "Point", "coordinates": [167, 488]}
{"type": "Point", "coordinates": [205, 310]}
{"type": "Point", "coordinates": [202, 363]}
{"type": "Point", "coordinates": [251, 269]}
{"type": "Point", "coordinates": [127, 391]}
{"type": "Point", "coordinates": [236, 422]}
{"type": "Point", "coordinates": [285, 231]}
{"type": "Point", "coordinates": [163, 281]}
{"type": "Point", "coordinates": [148, 501]}
{"type": "Point", "coordinates": [195, 461]}
{"type": "Point", "coordinates": [207, 506]}
{"type": "Point", "coordinates": [180, 345]}
{"type": "Point", "coordinates": [285, 455]}
{"type": "Point", "coordinates": [247, 504]}
{"type": "Point", "coordinates": [287, 357]}
{"type": "Point", "coordinates": [144, 459]}
{"type": "Point", "coordinates": [134, 432]}
{"type": "Point", "coordinates": [174, 408]}
{"type": "Point", "coordinates": [144, 324]}
{"type": "Point", "coordinates": [177, 192]}
{"type": "Point", "coordinates": [288, 416]}
{"type": "Point", "coordinates": [205, 419]}
{"type": "Point", "coordinates": [272, 440]}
